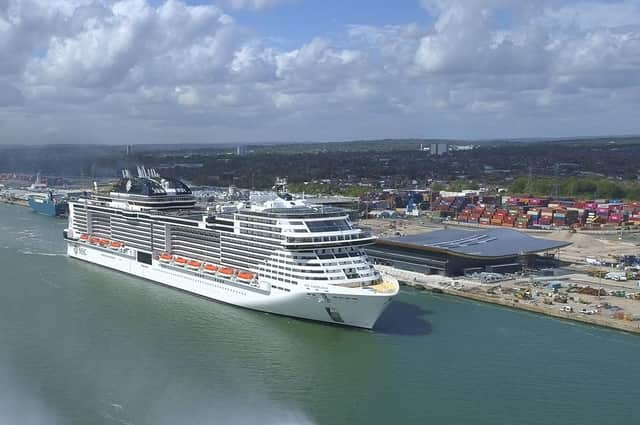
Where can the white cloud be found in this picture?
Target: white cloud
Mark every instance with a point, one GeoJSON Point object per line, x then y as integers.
{"type": "Point", "coordinates": [132, 42]}
{"type": "Point", "coordinates": [175, 71]}
{"type": "Point", "coordinates": [187, 96]}
{"type": "Point", "coordinates": [255, 4]}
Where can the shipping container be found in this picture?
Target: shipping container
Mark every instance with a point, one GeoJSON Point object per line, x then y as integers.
{"type": "Point", "coordinates": [546, 220]}
{"type": "Point", "coordinates": [547, 212]}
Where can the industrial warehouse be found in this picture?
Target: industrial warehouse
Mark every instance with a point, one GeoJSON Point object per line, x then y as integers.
{"type": "Point", "coordinates": [461, 252]}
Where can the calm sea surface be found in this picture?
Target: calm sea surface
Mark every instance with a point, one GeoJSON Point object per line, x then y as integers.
{"type": "Point", "coordinates": [80, 344]}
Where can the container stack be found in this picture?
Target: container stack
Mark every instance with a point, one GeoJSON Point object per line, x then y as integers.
{"type": "Point", "coordinates": [632, 211]}
{"type": "Point", "coordinates": [458, 203]}
{"type": "Point", "coordinates": [602, 211]}
{"type": "Point", "coordinates": [546, 216]}
{"type": "Point", "coordinates": [523, 221]}
{"type": "Point", "coordinates": [509, 220]}
{"type": "Point", "coordinates": [560, 218]}
{"type": "Point", "coordinates": [498, 217]}
{"type": "Point", "coordinates": [615, 218]}
{"type": "Point", "coordinates": [534, 216]}
{"type": "Point", "coordinates": [485, 218]}
{"type": "Point", "coordinates": [476, 213]}
{"type": "Point", "coordinates": [526, 211]}
{"type": "Point", "coordinates": [572, 216]}
{"type": "Point", "coordinates": [463, 216]}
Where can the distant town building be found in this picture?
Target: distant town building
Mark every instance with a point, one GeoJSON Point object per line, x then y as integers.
{"type": "Point", "coordinates": [463, 147]}
{"type": "Point", "coordinates": [439, 148]}
{"type": "Point", "coordinates": [280, 185]}
{"type": "Point", "coordinates": [462, 193]}
{"type": "Point", "coordinates": [241, 150]}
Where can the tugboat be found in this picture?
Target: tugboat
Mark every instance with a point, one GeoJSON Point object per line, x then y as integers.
{"type": "Point", "coordinates": [48, 204]}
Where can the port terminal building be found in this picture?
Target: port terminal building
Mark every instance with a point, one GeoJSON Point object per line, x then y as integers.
{"type": "Point", "coordinates": [453, 252]}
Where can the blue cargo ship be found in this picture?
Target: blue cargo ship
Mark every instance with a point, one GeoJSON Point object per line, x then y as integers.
{"type": "Point", "coordinates": [48, 204]}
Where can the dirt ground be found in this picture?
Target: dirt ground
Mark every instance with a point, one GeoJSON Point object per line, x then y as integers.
{"type": "Point", "coordinates": [591, 246]}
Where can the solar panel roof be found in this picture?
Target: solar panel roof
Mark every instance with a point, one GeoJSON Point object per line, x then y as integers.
{"type": "Point", "coordinates": [478, 243]}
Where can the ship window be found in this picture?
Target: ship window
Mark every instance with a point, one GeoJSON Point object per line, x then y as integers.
{"type": "Point", "coordinates": [328, 225]}
{"type": "Point", "coordinates": [144, 257]}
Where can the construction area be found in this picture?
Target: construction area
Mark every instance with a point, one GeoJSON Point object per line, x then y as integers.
{"type": "Point", "coordinates": [594, 276]}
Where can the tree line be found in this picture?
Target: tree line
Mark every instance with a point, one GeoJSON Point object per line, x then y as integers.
{"type": "Point", "coordinates": [577, 187]}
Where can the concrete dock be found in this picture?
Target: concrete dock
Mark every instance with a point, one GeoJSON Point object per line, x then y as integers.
{"type": "Point", "coordinates": [504, 293]}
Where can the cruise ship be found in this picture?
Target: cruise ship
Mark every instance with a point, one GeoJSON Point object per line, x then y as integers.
{"type": "Point", "coordinates": [270, 253]}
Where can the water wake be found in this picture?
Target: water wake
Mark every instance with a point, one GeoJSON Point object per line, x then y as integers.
{"type": "Point", "coordinates": [46, 254]}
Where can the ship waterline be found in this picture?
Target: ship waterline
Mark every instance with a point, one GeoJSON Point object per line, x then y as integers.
{"type": "Point", "coordinates": [354, 309]}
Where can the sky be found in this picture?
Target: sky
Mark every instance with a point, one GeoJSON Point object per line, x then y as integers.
{"type": "Point", "coordinates": [250, 71]}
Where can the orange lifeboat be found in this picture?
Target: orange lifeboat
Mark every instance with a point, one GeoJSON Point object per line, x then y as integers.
{"type": "Point", "coordinates": [116, 245]}
{"type": "Point", "coordinates": [165, 258]}
{"type": "Point", "coordinates": [226, 271]}
{"type": "Point", "coordinates": [94, 240]}
{"type": "Point", "coordinates": [84, 237]}
{"type": "Point", "coordinates": [193, 264]}
{"type": "Point", "coordinates": [245, 276]}
{"type": "Point", "coordinates": [179, 261]}
{"type": "Point", "coordinates": [104, 242]}
{"type": "Point", "coordinates": [210, 268]}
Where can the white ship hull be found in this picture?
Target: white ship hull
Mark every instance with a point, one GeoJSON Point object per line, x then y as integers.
{"type": "Point", "coordinates": [333, 304]}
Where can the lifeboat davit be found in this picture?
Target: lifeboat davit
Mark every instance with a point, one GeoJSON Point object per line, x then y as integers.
{"type": "Point", "coordinates": [165, 258]}
{"type": "Point", "coordinates": [193, 264]}
{"type": "Point", "coordinates": [245, 276]}
{"type": "Point", "coordinates": [116, 245]}
{"type": "Point", "coordinates": [84, 237]}
{"type": "Point", "coordinates": [226, 271]}
{"type": "Point", "coordinates": [179, 261]}
{"type": "Point", "coordinates": [210, 268]}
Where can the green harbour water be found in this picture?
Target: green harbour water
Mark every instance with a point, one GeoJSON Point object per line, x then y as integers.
{"type": "Point", "coordinates": [80, 344]}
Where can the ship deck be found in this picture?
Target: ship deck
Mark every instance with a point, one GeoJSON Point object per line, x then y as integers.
{"type": "Point", "coordinates": [385, 287]}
